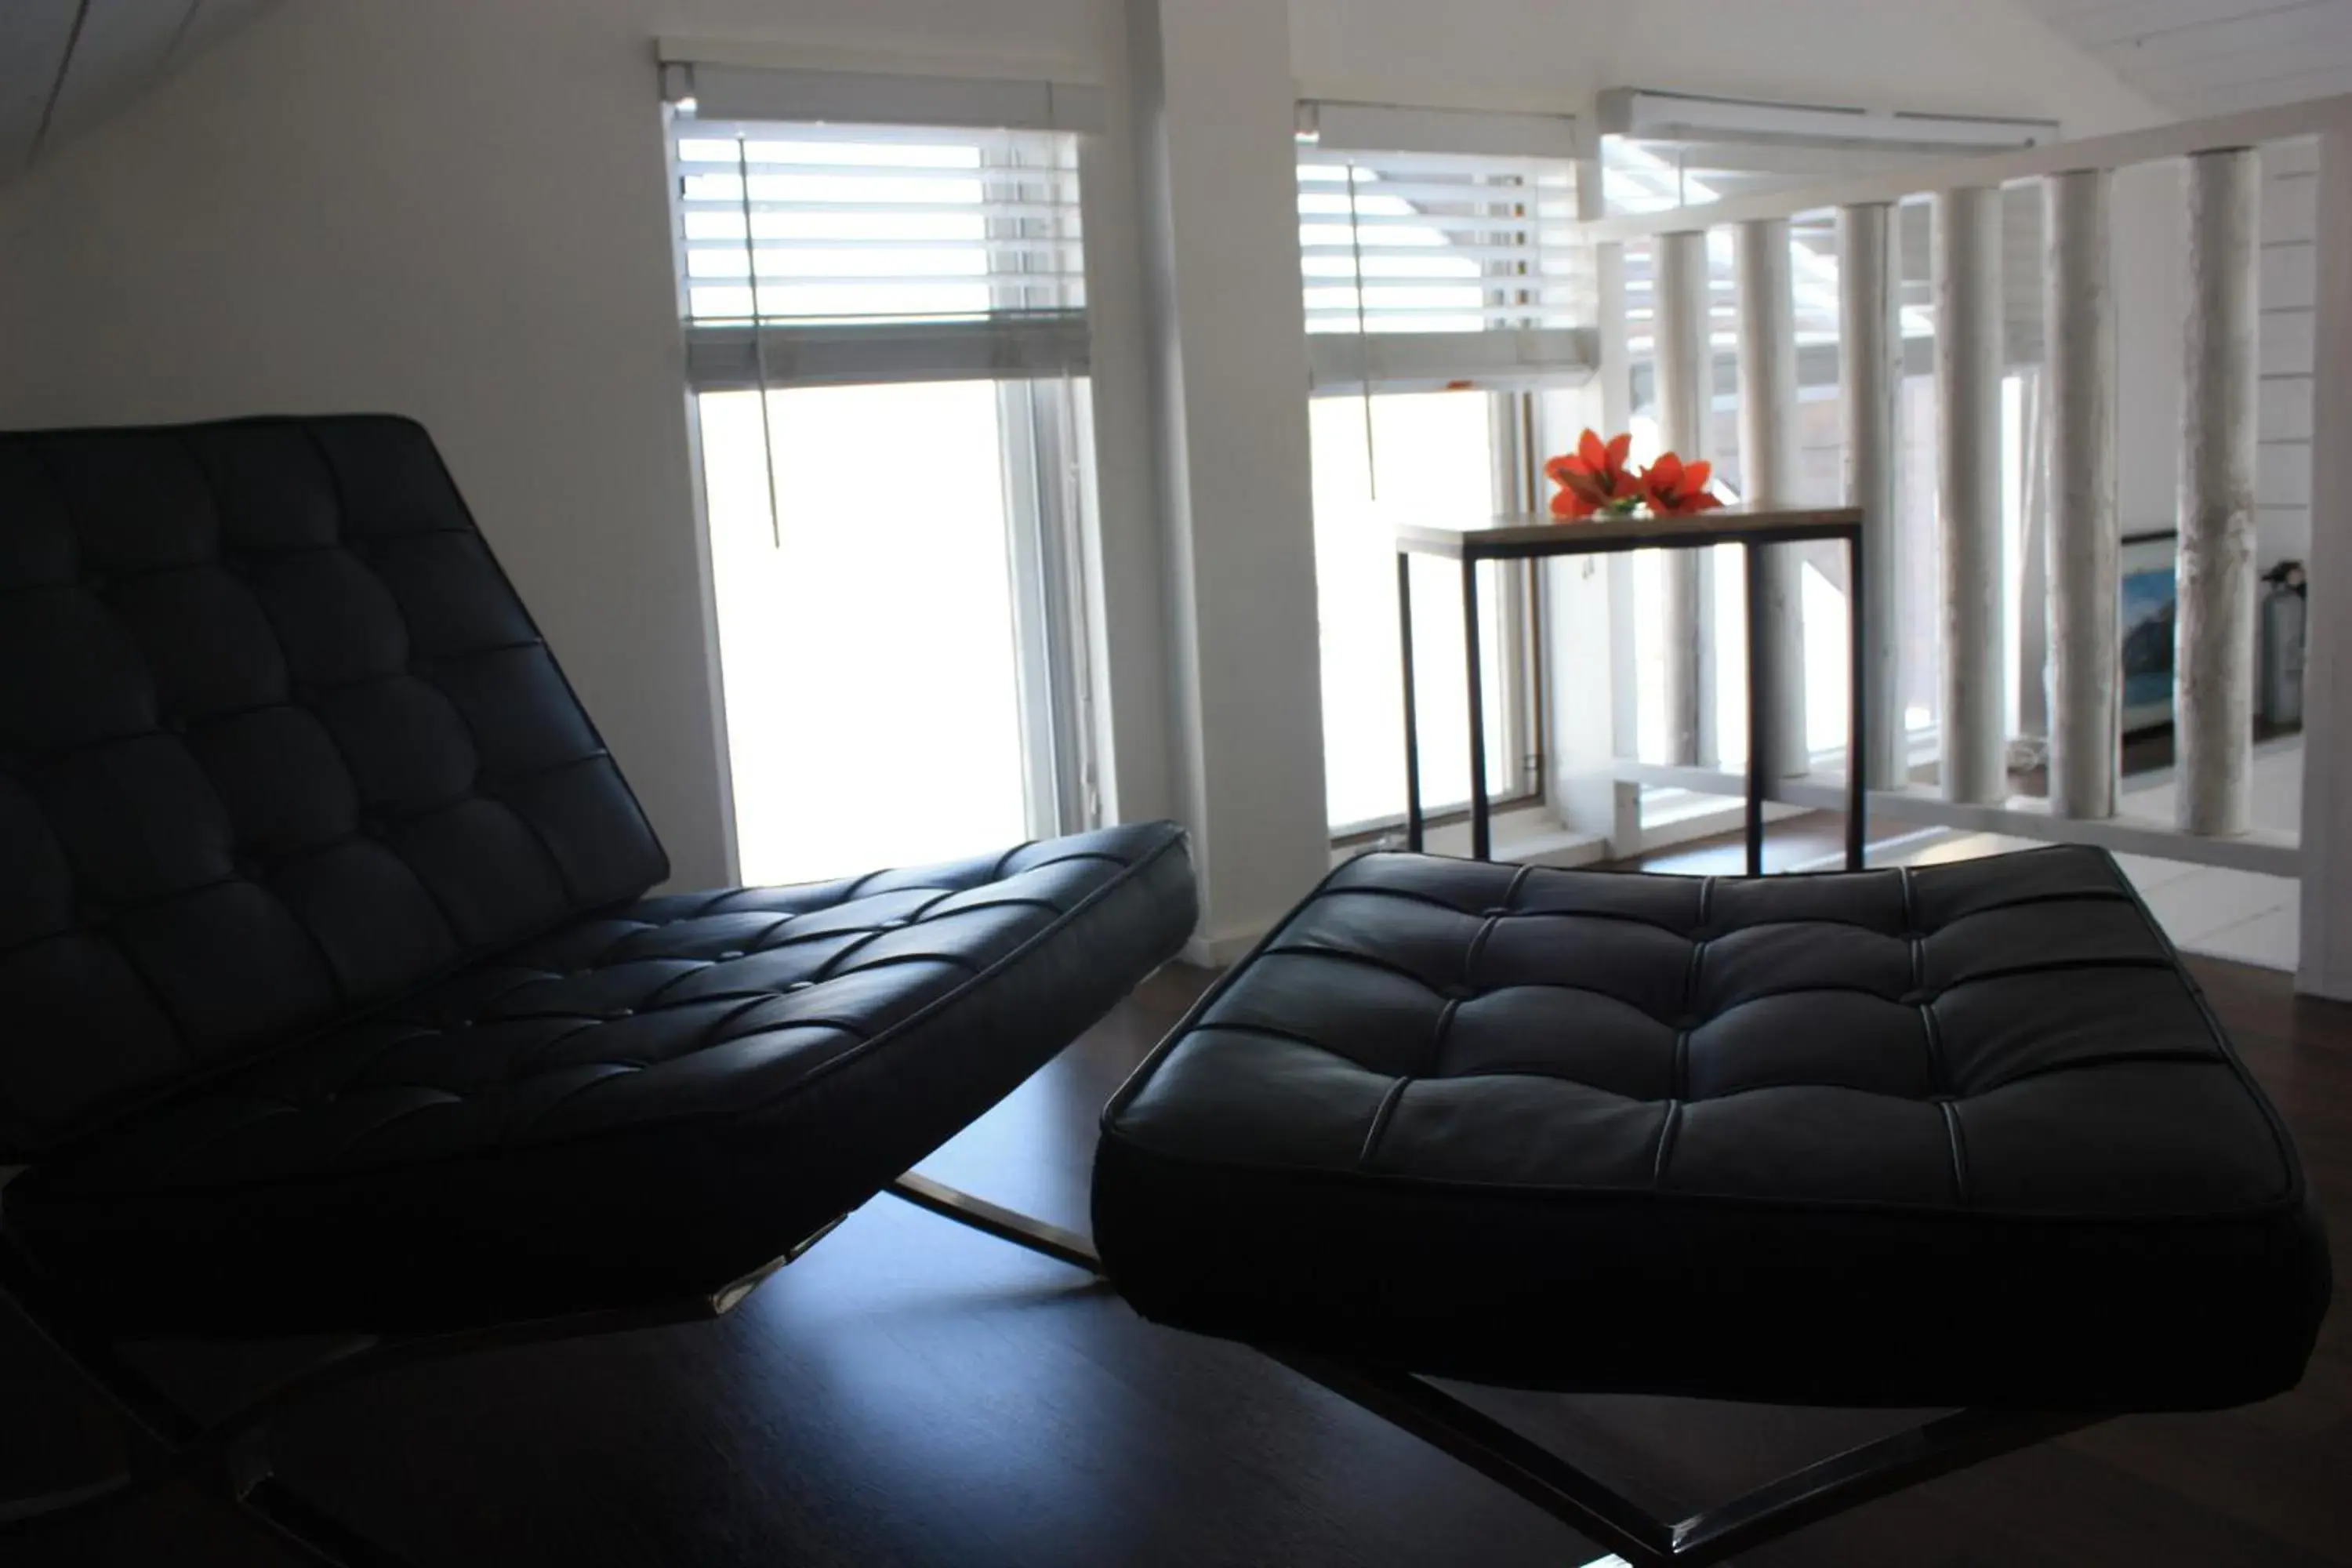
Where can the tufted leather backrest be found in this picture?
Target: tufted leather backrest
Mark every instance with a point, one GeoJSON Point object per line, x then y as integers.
{"type": "Point", "coordinates": [277, 743]}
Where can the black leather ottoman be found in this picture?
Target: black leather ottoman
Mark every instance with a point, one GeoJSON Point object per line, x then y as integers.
{"type": "Point", "coordinates": [1959, 1135]}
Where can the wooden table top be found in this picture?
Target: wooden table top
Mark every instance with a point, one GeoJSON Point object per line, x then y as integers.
{"type": "Point", "coordinates": [1518, 536]}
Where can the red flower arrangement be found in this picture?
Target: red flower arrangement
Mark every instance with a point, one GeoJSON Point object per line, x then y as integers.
{"type": "Point", "coordinates": [1594, 479]}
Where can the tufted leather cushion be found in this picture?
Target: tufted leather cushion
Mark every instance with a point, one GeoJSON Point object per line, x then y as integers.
{"type": "Point", "coordinates": [323, 1002]}
{"type": "Point", "coordinates": [1962, 1136]}
{"type": "Point", "coordinates": [641, 1106]}
{"type": "Point", "coordinates": [277, 743]}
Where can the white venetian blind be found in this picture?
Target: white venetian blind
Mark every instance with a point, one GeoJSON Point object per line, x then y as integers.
{"type": "Point", "coordinates": [1444, 267]}
{"type": "Point", "coordinates": [829, 254]}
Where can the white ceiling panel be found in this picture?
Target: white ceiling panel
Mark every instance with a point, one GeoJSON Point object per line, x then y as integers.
{"type": "Point", "coordinates": [2210, 56]}
{"type": "Point", "coordinates": [66, 65]}
{"type": "Point", "coordinates": [35, 38]}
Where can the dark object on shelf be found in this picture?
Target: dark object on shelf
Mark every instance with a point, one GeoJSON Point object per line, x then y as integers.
{"type": "Point", "coordinates": [333, 1001]}
{"type": "Point", "coordinates": [2285, 608]}
{"type": "Point", "coordinates": [1534, 539]}
{"type": "Point", "coordinates": [2148, 592]}
{"type": "Point", "coordinates": [1965, 1135]}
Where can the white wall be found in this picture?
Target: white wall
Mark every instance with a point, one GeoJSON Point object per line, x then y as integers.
{"type": "Point", "coordinates": [1988, 56]}
{"type": "Point", "coordinates": [455, 209]}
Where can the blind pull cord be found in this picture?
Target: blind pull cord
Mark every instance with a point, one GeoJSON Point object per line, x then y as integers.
{"type": "Point", "coordinates": [759, 343]}
{"type": "Point", "coordinates": [1363, 341]}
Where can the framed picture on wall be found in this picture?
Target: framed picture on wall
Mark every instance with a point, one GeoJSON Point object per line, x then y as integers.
{"type": "Point", "coordinates": [2150, 598]}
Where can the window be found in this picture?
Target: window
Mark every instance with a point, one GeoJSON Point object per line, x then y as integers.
{"type": "Point", "coordinates": [1439, 290]}
{"type": "Point", "coordinates": [886, 352]}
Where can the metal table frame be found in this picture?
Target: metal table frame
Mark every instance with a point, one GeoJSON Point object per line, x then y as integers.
{"type": "Point", "coordinates": [1533, 539]}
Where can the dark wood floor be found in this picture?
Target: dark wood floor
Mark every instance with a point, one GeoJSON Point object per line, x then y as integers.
{"type": "Point", "coordinates": [911, 1392]}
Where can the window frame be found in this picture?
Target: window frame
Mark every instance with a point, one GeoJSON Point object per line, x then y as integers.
{"type": "Point", "coordinates": [1041, 373]}
{"type": "Point", "coordinates": [1515, 599]}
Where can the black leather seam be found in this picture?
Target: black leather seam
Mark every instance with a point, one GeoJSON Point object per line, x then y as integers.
{"type": "Point", "coordinates": [1733, 934]}
{"type": "Point", "coordinates": [2115, 1058]}
{"type": "Point", "coordinates": [1912, 934]}
{"type": "Point", "coordinates": [714, 1033]}
{"type": "Point", "coordinates": [1689, 998]}
{"type": "Point", "coordinates": [1550, 1073]}
{"type": "Point", "coordinates": [1959, 1153]}
{"type": "Point", "coordinates": [1017, 901]}
{"type": "Point", "coordinates": [441, 1097]}
{"type": "Point", "coordinates": [507, 778]}
{"type": "Point", "coordinates": [1437, 1035]}
{"type": "Point", "coordinates": [833, 965]}
{"type": "Point", "coordinates": [350, 1075]}
{"type": "Point", "coordinates": [1345, 955]}
{"type": "Point", "coordinates": [1477, 945]}
{"type": "Point", "coordinates": [490, 1000]}
{"type": "Point", "coordinates": [1680, 1080]}
{"type": "Point", "coordinates": [2054, 966]}
{"type": "Point", "coordinates": [526, 1063]}
{"type": "Point", "coordinates": [620, 1069]}
{"type": "Point", "coordinates": [1272, 1031]}
{"type": "Point", "coordinates": [2071, 896]}
{"type": "Point", "coordinates": [1679, 933]}
{"type": "Point", "coordinates": [1939, 1077]}
{"type": "Point", "coordinates": [1405, 894]}
{"type": "Point", "coordinates": [1381, 1117]}
{"type": "Point", "coordinates": [1667, 1126]}
{"type": "Point", "coordinates": [952, 960]}
{"type": "Point", "coordinates": [762, 942]}
{"type": "Point", "coordinates": [1815, 989]}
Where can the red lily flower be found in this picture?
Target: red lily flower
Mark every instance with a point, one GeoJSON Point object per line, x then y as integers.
{"type": "Point", "coordinates": [1594, 479]}
{"type": "Point", "coordinates": [1677, 489]}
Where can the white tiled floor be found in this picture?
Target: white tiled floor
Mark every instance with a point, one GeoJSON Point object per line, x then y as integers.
{"type": "Point", "coordinates": [2239, 915]}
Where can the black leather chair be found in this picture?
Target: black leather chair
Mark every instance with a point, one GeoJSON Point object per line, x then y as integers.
{"type": "Point", "coordinates": [331, 997]}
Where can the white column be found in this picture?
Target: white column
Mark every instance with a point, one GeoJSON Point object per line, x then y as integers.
{"type": "Point", "coordinates": [1589, 681]}
{"type": "Point", "coordinates": [2213, 650]}
{"type": "Point", "coordinates": [2325, 966]}
{"type": "Point", "coordinates": [1768, 465]}
{"type": "Point", "coordinates": [1686, 389]}
{"type": "Point", "coordinates": [2079, 446]}
{"type": "Point", "coordinates": [1967, 398]}
{"type": "Point", "coordinates": [1225, 342]}
{"type": "Point", "coordinates": [1870, 369]}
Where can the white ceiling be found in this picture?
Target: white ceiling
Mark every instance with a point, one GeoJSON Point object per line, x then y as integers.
{"type": "Point", "coordinates": [2208, 56]}
{"type": "Point", "coordinates": [65, 64]}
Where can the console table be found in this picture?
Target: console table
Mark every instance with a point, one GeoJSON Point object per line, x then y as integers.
{"type": "Point", "coordinates": [1528, 538]}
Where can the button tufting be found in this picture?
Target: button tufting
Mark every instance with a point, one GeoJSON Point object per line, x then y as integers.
{"type": "Point", "coordinates": [1777, 1110]}
{"type": "Point", "coordinates": [220, 1051]}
